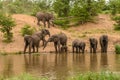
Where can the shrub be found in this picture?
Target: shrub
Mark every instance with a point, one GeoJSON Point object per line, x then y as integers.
{"type": "Point", "coordinates": [27, 30]}
{"type": "Point", "coordinates": [64, 23]}
{"type": "Point", "coordinates": [117, 49]}
{"type": "Point", "coordinates": [7, 24]}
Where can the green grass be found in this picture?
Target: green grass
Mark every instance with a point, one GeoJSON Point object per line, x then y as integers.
{"type": "Point", "coordinates": [96, 76]}
{"type": "Point", "coordinates": [25, 76]}
{"type": "Point", "coordinates": [117, 48]}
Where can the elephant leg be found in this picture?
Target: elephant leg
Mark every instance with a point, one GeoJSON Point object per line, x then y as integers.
{"type": "Point", "coordinates": [30, 47]}
{"type": "Point", "coordinates": [44, 22]}
{"type": "Point", "coordinates": [26, 45]}
{"type": "Point", "coordinates": [33, 48]}
{"type": "Point", "coordinates": [59, 47]}
{"type": "Point", "coordinates": [38, 23]}
{"type": "Point", "coordinates": [37, 48]}
{"type": "Point", "coordinates": [48, 22]}
{"type": "Point", "coordinates": [43, 42]}
{"type": "Point", "coordinates": [105, 48]}
{"type": "Point", "coordinates": [76, 49]}
{"type": "Point", "coordinates": [94, 50]}
{"type": "Point", "coordinates": [55, 45]}
{"type": "Point", "coordinates": [83, 50]}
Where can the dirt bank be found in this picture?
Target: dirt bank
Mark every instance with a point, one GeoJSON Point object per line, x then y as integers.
{"type": "Point", "coordinates": [102, 25]}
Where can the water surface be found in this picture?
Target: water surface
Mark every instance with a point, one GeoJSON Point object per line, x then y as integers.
{"type": "Point", "coordinates": [58, 66]}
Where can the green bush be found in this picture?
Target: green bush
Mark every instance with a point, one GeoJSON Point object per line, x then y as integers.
{"type": "Point", "coordinates": [117, 49]}
{"type": "Point", "coordinates": [64, 23]}
{"type": "Point", "coordinates": [7, 24]}
{"type": "Point", "coordinates": [27, 30]}
{"type": "Point", "coordinates": [96, 76]}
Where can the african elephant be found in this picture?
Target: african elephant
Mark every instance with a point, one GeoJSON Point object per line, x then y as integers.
{"type": "Point", "coordinates": [93, 45]}
{"type": "Point", "coordinates": [104, 43]}
{"type": "Point", "coordinates": [33, 40]}
{"type": "Point", "coordinates": [58, 39]}
{"type": "Point", "coordinates": [44, 17]}
{"type": "Point", "coordinates": [78, 45]}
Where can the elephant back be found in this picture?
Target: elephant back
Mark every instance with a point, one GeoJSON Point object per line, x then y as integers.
{"type": "Point", "coordinates": [75, 42]}
{"type": "Point", "coordinates": [63, 38]}
{"type": "Point", "coordinates": [40, 15]}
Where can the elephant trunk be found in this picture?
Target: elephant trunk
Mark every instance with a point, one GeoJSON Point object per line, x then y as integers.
{"type": "Point", "coordinates": [45, 45]}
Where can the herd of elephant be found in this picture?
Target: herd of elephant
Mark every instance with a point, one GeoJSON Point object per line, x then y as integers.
{"type": "Point", "coordinates": [59, 39]}
{"type": "Point", "coordinates": [60, 42]}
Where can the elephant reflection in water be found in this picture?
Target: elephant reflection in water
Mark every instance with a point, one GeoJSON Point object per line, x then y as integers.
{"type": "Point", "coordinates": [104, 60]}
{"type": "Point", "coordinates": [31, 61]}
{"type": "Point", "coordinates": [93, 62]}
{"type": "Point", "coordinates": [79, 58]}
{"type": "Point", "coordinates": [61, 66]}
{"type": "Point", "coordinates": [8, 67]}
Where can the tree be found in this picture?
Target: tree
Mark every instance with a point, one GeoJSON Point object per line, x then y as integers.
{"type": "Point", "coordinates": [6, 25]}
{"type": "Point", "coordinates": [62, 7]}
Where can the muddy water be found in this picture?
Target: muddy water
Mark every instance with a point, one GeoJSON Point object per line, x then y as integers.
{"type": "Point", "coordinates": [58, 66]}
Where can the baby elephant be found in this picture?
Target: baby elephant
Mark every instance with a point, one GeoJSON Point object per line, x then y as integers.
{"type": "Point", "coordinates": [78, 45]}
{"type": "Point", "coordinates": [64, 49]}
{"type": "Point", "coordinates": [104, 43]}
{"type": "Point", "coordinates": [93, 45]}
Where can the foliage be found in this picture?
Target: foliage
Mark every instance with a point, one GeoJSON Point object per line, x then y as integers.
{"type": "Point", "coordinates": [27, 30]}
{"type": "Point", "coordinates": [117, 25]}
{"type": "Point", "coordinates": [26, 76]}
{"type": "Point", "coordinates": [62, 7]}
{"type": "Point", "coordinates": [96, 76]}
{"type": "Point", "coordinates": [114, 6]}
{"type": "Point", "coordinates": [117, 49]}
{"type": "Point", "coordinates": [62, 22]}
{"type": "Point", "coordinates": [85, 10]}
{"type": "Point", "coordinates": [7, 24]}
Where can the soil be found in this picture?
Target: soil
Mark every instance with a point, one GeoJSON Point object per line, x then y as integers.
{"type": "Point", "coordinates": [102, 25]}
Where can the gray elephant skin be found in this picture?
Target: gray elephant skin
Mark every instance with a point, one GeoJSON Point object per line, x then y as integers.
{"type": "Point", "coordinates": [58, 39]}
{"type": "Point", "coordinates": [93, 45]}
{"type": "Point", "coordinates": [44, 17]}
{"type": "Point", "coordinates": [78, 45]}
{"type": "Point", "coordinates": [104, 43]}
{"type": "Point", "coordinates": [33, 40]}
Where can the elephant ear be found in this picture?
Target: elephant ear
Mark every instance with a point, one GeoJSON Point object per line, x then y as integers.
{"type": "Point", "coordinates": [56, 39]}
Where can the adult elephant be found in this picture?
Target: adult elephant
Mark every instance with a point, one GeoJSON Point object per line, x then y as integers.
{"type": "Point", "coordinates": [44, 17]}
{"type": "Point", "coordinates": [78, 45]}
{"type": "Point", "coordinates": [104, 43]}
{"type": "Point", "coordinates": [33, 40]}
{"type": "Point", "coordinates": [93, 45]}
{"type": "Point", "coordinates": [58, 39]}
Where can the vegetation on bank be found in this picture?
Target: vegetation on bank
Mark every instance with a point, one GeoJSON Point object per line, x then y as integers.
{"type": "Point", "coordinates": [117, 49]}
{"type": "Point", "coordinates": [27, 30]}
{"type": "Point", "coordinates": [96, 76]}
{"type": "Point", "coordinates": [6, 26]}
{"type": "Point", "coordinates": [82, 76]}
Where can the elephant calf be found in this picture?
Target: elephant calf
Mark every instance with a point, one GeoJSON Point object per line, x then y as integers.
{"type": "Point", "coordinates": [33, 40]}
{"type": "Point", "coordinates": [93, 45]}
{"type": "Point", "coordinates": [58, 39]}
{"type": "Point", "coordinates": [104, 43]}
{"type": "Point", "coordinates": [78, 45]}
